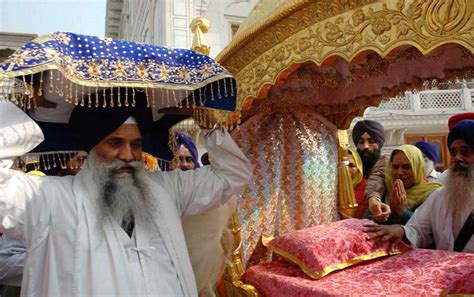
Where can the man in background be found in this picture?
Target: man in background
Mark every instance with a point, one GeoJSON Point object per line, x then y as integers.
{"type": "Point", "coordinates": [369, 138]}
{"type": "Point", "coordinates": [186, 157]}
{"type": "Point", "coordinates": [431, 155]}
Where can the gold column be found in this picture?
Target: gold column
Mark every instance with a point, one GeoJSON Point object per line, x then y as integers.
{"type": "Point", "coordinates": [346, 198]}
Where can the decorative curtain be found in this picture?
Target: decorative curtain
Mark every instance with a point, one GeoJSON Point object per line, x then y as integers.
{"type": "Point", "coordinates": [294, 154]}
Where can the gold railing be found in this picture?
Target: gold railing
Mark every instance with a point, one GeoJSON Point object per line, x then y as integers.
{"type": "Point", "coordinates": [235, 268]}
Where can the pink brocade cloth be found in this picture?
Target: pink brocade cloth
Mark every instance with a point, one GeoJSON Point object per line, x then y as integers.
{"type": "Point", "coordinates": [294, 184]}
{"type": "Point", "coordinates": [418, 272]}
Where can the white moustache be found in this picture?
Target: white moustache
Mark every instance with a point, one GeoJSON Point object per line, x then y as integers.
{"type": "Point", "coordinates": [121, 164]}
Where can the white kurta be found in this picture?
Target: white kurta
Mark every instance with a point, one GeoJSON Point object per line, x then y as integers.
{"type": "Point", "coordinates": [69, 255]}
{"type": "Point", "coordinates": [431, 223]}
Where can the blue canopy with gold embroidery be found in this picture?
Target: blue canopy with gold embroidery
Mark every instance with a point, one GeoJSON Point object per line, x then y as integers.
{"type": "Point", "coordinates": [78, 66]}
{"type": "Point", "coordinates": [52, 75]}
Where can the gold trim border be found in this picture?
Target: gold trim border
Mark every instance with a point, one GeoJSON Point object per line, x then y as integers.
{"type": "Point", "coordinates": [246, 36]}
{"type": "Point", "coordinates": [104, 84]}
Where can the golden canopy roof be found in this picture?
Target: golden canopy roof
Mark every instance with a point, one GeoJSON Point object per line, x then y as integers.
{"type": "Point", "coordinates": [340, 56]}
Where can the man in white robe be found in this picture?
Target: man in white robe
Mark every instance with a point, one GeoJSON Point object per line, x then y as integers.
{"type": "Point", "coordinates": [441, 217]}
{"type": "Point", "coordinates": [205, 233]}
{"type": "Point", "coordinates": [75, 248]}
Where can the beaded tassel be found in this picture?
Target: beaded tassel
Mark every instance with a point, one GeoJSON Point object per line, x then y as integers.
{"type": "Point", "coordinates": [133, 98]}
{"type": "Point", "coordinates": [40, 88]}
{"type": "Point", "coordinates": [119, 103]}
{"type": "Point", "coordinates": [70, 96]}
{"type": "Point", "coordinates": [225, 87]}
{"type": "Point", "coordinates": [232, 87]}
{"type": "Point", "coordinates": [89, 101]}
{"type": "Point", "coordinates": [200, 97]}
{"type": "Point", "coordinates": [58, 84]}
{"type": "Point", "coordinates": [126, 97]}
{"type": "Point", "coordinates": [104, 95]}
{"type": "Point", "coordinates": [186, 95]}
{"type": "Point", "coordinates": [111, 97]}
{"type": "Point", "coordinates": [51, 82]}
{"type": "Point", "coordinates": [96, 97]}
{"type": "Point", "coordinates": [193, 98]}
{"type": "Point", "coordinates": [76, 98]}
{"type": "Point", "coordinates": [212, 92]}
{"type": "Point", "coordinates": [219, 95]}
{"type": "Point", "coordinates": [61, 90]}
{"type": "Point", "coordinates": [153, 99]}
{"type": "Point", "coordinates": [133, 95]}
{"type": "Point", "coordinates": [82, 97]}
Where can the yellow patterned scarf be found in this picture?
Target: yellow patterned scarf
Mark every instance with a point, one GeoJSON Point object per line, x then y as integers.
{"type": "Point", "coordinates": [418, 193]}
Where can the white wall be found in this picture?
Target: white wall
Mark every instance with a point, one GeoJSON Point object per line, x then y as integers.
{"type": "Point", "coordinates": [222, 13]}
{"type": "Point", "coordinates": [166, 22]}
{"type": "Point", "coordinates": [160, 22]}
{"type": "Point", "coordinates": [47, 16]}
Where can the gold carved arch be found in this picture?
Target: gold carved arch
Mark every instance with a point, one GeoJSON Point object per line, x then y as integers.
{"type": "Point", "coordinates": [321, 32]}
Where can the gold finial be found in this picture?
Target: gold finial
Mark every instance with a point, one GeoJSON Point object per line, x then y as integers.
{"type": "Point", "coordinates": [199, 26]}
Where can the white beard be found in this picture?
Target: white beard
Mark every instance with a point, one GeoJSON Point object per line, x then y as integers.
{"type": "Point", "coordinates": [460, 188]}
{"type": "Point", "coordinates": [123, 197]}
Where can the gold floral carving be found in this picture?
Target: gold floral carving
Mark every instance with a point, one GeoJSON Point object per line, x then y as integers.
{"type": "Point", "coordinates": [335, 28]}
{"type": "Point", "coordinates": [341, 113]}
{"type": "Point", "coordinates": [285, 21]}
{"type": "Point", "coordinates": [261, 12]}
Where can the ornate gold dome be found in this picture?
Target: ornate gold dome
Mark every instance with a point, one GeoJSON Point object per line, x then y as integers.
{"type": "Point", "coordinates": [325, 51]}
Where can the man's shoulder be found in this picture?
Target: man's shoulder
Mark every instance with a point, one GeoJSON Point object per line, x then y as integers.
{"type": "Point", "coordinates": [436, 197]}
{"type": "Point", "coordinates": [381, 162]}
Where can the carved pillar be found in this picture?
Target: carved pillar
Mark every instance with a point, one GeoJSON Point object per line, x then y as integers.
{"type": "Point", "coordinates": [416, 101]}
{"type": "Point", "coordinates": [466, 95]}
{"type": "Point", "coordinates": [346, 198]}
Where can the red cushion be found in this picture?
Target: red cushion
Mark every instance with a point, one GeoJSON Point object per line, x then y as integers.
{"type": "Point", "coordinates": [417, 272]}
{"type": "Point", "coordinates": [322, 249]}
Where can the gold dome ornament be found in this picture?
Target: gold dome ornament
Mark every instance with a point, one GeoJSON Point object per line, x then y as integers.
{"type": "Point", "coordinates": [200, 26]}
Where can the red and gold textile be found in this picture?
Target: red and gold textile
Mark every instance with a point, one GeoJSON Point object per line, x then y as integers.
{"type": "Point", "coordinates": [362, 204]}
{"type": "Point", "coordinates": [323, 249]}
{"type": "Point", "coordinates": [294, 154]}
{"type": "Point", "coordinates": [415, 273]}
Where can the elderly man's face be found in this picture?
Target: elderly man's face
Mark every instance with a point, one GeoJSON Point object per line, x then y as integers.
{"type": "Point", "coordinates": [366, 145]}
{"type": "Point", "coordinates": [183, 159]}
{"type": "Point", "coordinates": [124, 144]}
{"type": "Point", "coordinates": [462, 155]}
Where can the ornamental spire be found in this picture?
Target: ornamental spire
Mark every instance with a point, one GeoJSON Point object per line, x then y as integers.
{"type": "Point", "coordinates": [199, 26]}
